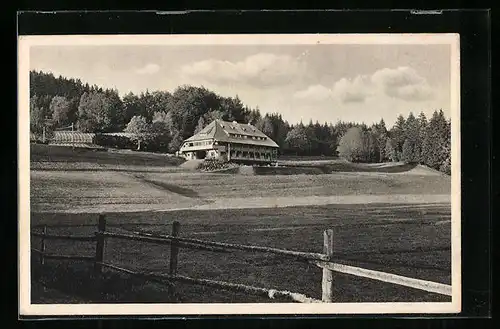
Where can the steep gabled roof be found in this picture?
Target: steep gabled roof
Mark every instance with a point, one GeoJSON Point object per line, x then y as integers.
{"type": "Point", "coordinates": [225, 131]}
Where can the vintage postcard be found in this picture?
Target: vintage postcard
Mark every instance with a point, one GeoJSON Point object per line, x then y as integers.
{"type": "Point", "coordinates": [239, 174]}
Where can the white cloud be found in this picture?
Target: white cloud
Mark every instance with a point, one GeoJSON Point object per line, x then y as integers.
{"type": "Point", "coordinates": [314, 93]}
{"type": "Point", "coordinates": [150, 68]}
{"type": "Point", "coordinates": [263, 69]}
{"type": "Point", "coordinates": [403, 83]}
{"type": "Point", "coordinates": [344, 90]}
{"type": "Point", "coordinates": [353, 91]}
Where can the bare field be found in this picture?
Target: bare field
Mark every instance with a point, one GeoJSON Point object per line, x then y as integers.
{"type": "Point", "coordinates": [392, 222]}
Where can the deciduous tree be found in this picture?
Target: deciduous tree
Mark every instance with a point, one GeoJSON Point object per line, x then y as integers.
{"type": "Point", "coordinates": [390, 150]}
{"type": "Point", "coordinates": [140, 130]}
{"type": "Point", "coordinates": [352, 146]}
{"type": "Point", "coordinates": [297, 139]}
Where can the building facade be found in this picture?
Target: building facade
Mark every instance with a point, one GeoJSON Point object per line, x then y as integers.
{"type": "Point", "coordinates": [230, 141]}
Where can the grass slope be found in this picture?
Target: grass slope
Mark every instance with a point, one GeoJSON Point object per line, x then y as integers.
{"type": "Point", "coordinates": [52, 153]}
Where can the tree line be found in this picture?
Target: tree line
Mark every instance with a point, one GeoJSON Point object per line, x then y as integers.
{"type": "Point", "coordinates": [411, 140]}
{"type": "Point", "coordinates": [160, 121]}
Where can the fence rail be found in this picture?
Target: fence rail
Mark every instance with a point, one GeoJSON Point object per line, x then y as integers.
{"type": "Point", "coordinates": [424, 285]}
{"type": "Point", "coordinates": [232, 246]}
{"type": "Point", "coordinates": [46, 255]}
{"type": "Point", "coordinates": [323, 260]}
{"type": "Point", "coordinates": [237, 287]}
{"type": "Point", "coordinates": [158, 241]}
{"type": "Point", "coordinates": [64, 237]}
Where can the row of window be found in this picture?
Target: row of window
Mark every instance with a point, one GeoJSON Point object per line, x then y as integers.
{"type": "Point", "coordinates": [202, 143]}
{"type": "Point", "coordinates": [256, 155]}
{"type": "Point", "coordinates": [248, 137]}
{"type": "Point", "coordinates": [254, 149]}
{"type": "Point", "coordinates": [242, 128]}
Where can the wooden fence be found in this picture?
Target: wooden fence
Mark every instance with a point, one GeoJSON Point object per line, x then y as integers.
{"type": "Point", "coordinates": [323, 260]}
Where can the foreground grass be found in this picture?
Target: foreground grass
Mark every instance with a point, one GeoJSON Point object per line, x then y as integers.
{"type": "Point", "coordinates": [364, 235]}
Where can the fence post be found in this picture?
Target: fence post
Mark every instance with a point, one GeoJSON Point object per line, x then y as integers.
{"type": "Point", "coordinates": [42, 245]}
{"type": "Point", "coordinates": [327, 283]}
{"type": "Point", "coordinates": [174, 248]}
{"type": "Point", "coordinates": [99, 250]}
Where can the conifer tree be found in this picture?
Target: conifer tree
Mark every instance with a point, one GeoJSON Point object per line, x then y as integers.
{"type": "Point", "coordinates": [408, 153]}
{"type": "Point", "coordinates": [437, 135]}
{"type": "Point", "coordinates": [412, 136]}
{"type": "Point", "coordinates": [423, 141]}
{"type": "Point", "coordinates": [398, 134]}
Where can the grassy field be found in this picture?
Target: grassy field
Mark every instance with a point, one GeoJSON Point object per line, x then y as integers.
{"type": "Point", "coordinates": [97, 191]}
{"type": "Point", "coordinates": [372, 214]}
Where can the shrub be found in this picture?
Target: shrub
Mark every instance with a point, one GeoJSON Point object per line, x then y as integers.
{"type": "Point", "coordinates": [112, 141]}
{"type": "Point", "coordinates": [213, 164]}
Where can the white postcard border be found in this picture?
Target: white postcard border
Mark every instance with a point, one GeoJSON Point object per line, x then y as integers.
{"type": "Point", "coordinates": [28, 309]}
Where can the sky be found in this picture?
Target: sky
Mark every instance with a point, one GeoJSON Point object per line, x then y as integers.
{"type": "Point", "coordinates": [322, 82]}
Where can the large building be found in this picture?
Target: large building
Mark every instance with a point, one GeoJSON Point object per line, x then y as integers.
{"type": "Point", "coordinates": [231, 141]}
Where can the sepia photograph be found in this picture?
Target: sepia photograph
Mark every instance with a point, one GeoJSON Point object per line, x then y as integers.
{"type": "Point", "coordinates": [239, 174]}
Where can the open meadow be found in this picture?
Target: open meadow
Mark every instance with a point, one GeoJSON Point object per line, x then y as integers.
{"type": "Point", "coordinates": [396, 221]}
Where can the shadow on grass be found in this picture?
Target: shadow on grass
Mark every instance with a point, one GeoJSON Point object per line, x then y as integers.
{"type": "Point", "coordinates": [168, 187]}
{"type": "Point", "coordinates": [354, 167]}
{"type": "Point", "coordinates": [319, 169]}
{"type": "Point", "coordinates": [76, 279]}
{"type": "Point", "coordinates": [72, 282]}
